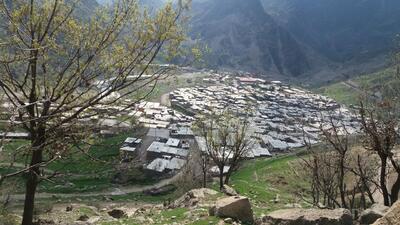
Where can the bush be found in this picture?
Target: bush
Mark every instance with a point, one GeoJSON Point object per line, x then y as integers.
{"type": "Point", "coordinates": [6, 218]}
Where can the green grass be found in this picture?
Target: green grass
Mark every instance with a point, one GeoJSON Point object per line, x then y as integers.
{"type": "Point", "coordinates": [80, 185]}
{"type": "Point", "coordinates": [79, 170]}
{"type": "Point", "coordinates": [263, 179]}
{"type": "Point", "coordinates": [381, 81]}
{"type": "Point", "coordinates": [105, 151]}
{"type": "Point", "coordinates": [209, 221]}
{"type": "Point", "coordinates": [171, 216]}
{"type": "Point", "coordinates": [341, 93]}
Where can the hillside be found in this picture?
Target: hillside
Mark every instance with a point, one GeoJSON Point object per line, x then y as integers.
{"type": "Point", "coordinates": [349, 91]}
{"type": "Point", "coordinates": [261, 181]}
{"type": "Point", "coordinates": [243, 37]}
{"type": "Point", "coordinates": [299, 41]}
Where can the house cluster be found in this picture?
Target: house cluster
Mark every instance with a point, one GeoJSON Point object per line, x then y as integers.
{"type": "Point", "coordinates": [282, 117]}
{"type": "Point", "coordinates": [167, 150]}
{"type": "Point", "coordinates": [148, 114]}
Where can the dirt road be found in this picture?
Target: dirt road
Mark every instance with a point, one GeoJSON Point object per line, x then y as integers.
{"type": "Point", "coordinates": [112, 192]}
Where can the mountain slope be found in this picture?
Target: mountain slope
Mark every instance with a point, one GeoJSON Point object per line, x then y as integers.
{"type": "Point", "coordinates": [379, 84]}
{"type": "Point", "coordinates": [243, 36]}
{"type": "Point", "coordinates": [341, 30]}
{"type": "Point", "coordinates": [306, 40]}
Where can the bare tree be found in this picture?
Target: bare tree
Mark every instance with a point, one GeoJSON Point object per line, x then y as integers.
{"type": "Point", "coordinates": [338, 174]}
{"type": "Point", "coordinates": [227, 141]}
{"type": "Point", "coordinates": [56, 70]}
{"type": "Point", "coordinates": [380, 126]}
{"type": "Point", "coordinates": [204, 164]}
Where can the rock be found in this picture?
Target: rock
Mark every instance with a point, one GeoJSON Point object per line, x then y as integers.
{"type": "Point", "coordinates": [201, 193]}
{"type": "Point", "coordinates": [107, 199]}
{"type": "Point", "coordinates": [309, 217]}
{"type": "Point", "coordinates": [117, 213]}
{"type": "Point", "coordinates": [369, 216]}
{"type": "Point", "coordinates": [212, 211]}
{"type": "Point", "coordinates": [277, 198]}
{"type": "Point", "coordinates": [44, 222]}
{"type": "Point", "coordinates": [293, 205]}
{"type": "Point", "coordinates": [193, 197]}
{"type": "Point", "coordinates": [229, 191]}
{"type": "Point", "coordinates": [69, 185]}
{"type": "Point", "coordinates": [69, 208]}
{"type": "Point", "coordinates": [160, 191]}
{"type": "Point", "coordinates": [94, 220]}
{"type": "Point", "coordinates": [391, 217]}
{"type": "Point", "coordinates": [127, 212]}
{"type": "Point", "coordinates": [83, 218]}
{"type": "Point", "coordinates": [141, 219]}
{"type": "Point", "coordinates": [228, 220]}
{"type": "Point", "coordinates": [235, 207]}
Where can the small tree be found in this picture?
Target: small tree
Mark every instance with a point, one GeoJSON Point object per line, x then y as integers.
{"type": "Point", "coordinates": [227, 141]}
{"type": "Point", "coordinates": [56, 70]}
{"type": "Point", "coordinates": [380, 125]}
{"type": "Point", "coordinates": [204, 164]}
{"type": "Point", "coordinates": [338, 174]}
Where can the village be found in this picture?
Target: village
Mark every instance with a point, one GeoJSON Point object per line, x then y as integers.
{"type": "Point", "coordinates": [282, 118]}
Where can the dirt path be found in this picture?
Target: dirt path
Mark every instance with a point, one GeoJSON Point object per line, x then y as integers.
{"type": "Point", "coordinates": [357, 88]}
{"type": "Point", "coordinates": [112, 192]}
{"type": "Point", "coordinates": [22, 166]}
{"type": "Point", "coordinates": [352, 85]}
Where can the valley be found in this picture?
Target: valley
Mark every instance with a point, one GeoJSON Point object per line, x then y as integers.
{"type": "Point", "coordinates": [196, 112]}
{"type": "Point", "coordinates": [109, 174]}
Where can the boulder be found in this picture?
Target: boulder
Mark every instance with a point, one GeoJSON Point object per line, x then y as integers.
{"type": "Point", "coordinates": [193, 197]}
{"type": "Point", "coordinates": [229, 190]}
{"type": "Point", "coordinates": [69, 208]}
{"type": "Point", "coordinates": [309, 217]}
{"type": "Point", "coordinates": [94, 220]}
{"type": "Point", "coordinates": [201, 193]}
{"type": "Point", "coordinates": [235, 207]}
{"type": "Point", "coordinates": [117, 213]}
{"type": "Point", "coordinates": [391, 217]}
{"type": "Point", "coordinates": [83, 218]}
{"type": "Point", "coordinates": [369, 216]}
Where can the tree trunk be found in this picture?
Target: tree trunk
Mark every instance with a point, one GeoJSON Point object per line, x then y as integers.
{"type": "Point", "coordinates": [227, 179]}
{"type": "Point", "coordinates": [394, 193]}
{"type": "Point", "coordinates": [29, 204]}
{"type": "Point", "coordinates": [33, 177]}
{"type": "Point", "coordinates": [221, 178]}
{"type": "Point", "coordinates": [228, 175]}
{"type": "Point", "coordinates": [204, 178]}
{"type": "Point", "coordinates": [382, 180]}
{"type": "Point", "coordinates": [342, 188]}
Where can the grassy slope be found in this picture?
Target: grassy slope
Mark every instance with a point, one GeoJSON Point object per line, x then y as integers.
{"type": "Point", "coordinates": [373, 83]}
{"type": "Point", "coordinates": [260, 180]}
{"type": "Point", "coordinates": [340, 92]}
{"type": "Point", "coordinates": [263, 179]}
